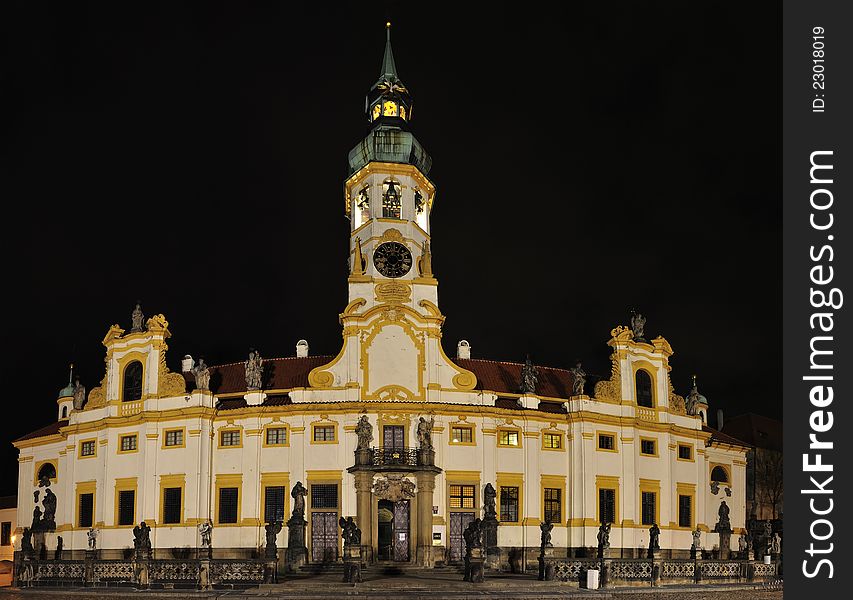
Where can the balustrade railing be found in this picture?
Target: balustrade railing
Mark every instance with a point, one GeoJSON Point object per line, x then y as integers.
{"type": "Point", "coordinates": [382, 457]}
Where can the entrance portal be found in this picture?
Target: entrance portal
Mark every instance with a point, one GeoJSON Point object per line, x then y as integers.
{"type": "Point", "coordinates": [393, 530]}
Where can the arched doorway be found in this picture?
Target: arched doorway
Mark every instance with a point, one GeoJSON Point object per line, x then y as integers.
{"type": "Point", "coordinates": [393, 530]}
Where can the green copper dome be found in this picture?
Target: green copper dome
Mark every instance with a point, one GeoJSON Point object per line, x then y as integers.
{"type": "Point", "coordinates": [67, 391]}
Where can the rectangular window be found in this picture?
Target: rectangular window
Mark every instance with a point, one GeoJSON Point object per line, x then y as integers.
{"type": "Point", "coordinates": [649, 502]}
{"type": "Point", "coordinates": [685, 452]}
{"type": "Point", "coordinates": [685, 506]}
{"type": "Point", "coordinates": [607, 505]}
{"type": "Point", "coordinates": [276, 436]}
{"type": "Point", "coordinates": [87, 510]}
{"type": "Point", "coordinates": [461, 496]}
{"type": "Point", "coordinates": [228, 504]}
{"type": "Point", "coordinates": [606, 441]}
{"type": "Point", "coordinates": [229, 438]}
{"type": "Point", "coordinates": [553, 505]}
{"type": "Point", "coordinates": [324, 495]}
{"type": "Point", "coordinates": [6, 533]}
{"type": "Point", "coordinates": [172, 505]}
{"type": "Point", "coordinates": [324, 433]}
{"type": "Point", "coordinates": [462, 435]}
{"type": "Point", "coordinates": [87, 448]}
{"type": "Point", "coordinates": [509, 504]}
{"type": "Point", "coordinates": [128, 443]}
{"type": "Point", "coordinates": [126, 512]}
{"type": "Point", "coordinates": [175, 437]}
{"type": "Point", "coordinates": [274, 504]}
{"type": "Point", "coordinates": [552, 441]}
{"type": "Point", "coordinates": [647, 447]}
{"type": "Point", "coordinates": [507, 438]}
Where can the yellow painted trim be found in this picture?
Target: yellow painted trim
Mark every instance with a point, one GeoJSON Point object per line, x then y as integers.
{"type": "Point", "coordinates": [649, 439]}
{"type": "Point", "coordinates": [724, 467]}
{"type": "Point", "coordinates": [229, 429]}
{"type": "Point", "coordinates": [86, 487]}
{"type": "Point", "coordinates": [94, 454]}
{"type": "Point", "coordinates": [324, 474]}
{"type": "Point", "coordinates": [517, 430]}
{"type": "Point", "coordinates": [462, 425]}
{"type": "Point", "coordinates": [508, 480]}
{"type": "Point", "coordinates": [39, 465]}
{"type": "Point", "coordinates": [559, 436]}
{"type": "Point", "coordinates": [276, 425]}
{"type": "Point", "coordinates": [172, 481]}
{"type": "Point", "coordinates": [183, 443]}
{"type": "Point", "coordinates": [606, 482]}
{"type": "Point", "coordinates": [678, 453]}
{"type": "Point", "coordinates": [558, 482]}
{"type": "Point", "coordinates": [121, 436]}
{"type": "Point", "coordinates": [123, 363]}
{"type": "Point", "coordinates": [126, 484]}
{"type": "Point", "coordinates": [648, 486]}
{"type": "Point", "coordinates": [613, 435]}
{"type": "Point", "coordinates": [324, 423]}
{"type": "Point", "coordinates": [229, 481]}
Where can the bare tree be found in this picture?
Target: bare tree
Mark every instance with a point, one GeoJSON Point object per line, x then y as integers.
{"type": "Point", "coordinates": [768, 478]}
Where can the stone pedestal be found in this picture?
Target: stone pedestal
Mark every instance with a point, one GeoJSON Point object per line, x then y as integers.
{"type": "Point", "coordinates": [546, 564]}
{"type": "Point", "coordinates": [604, 578]}
{"type": "Point", "coordinates": [254, 398]}
{"type": "Point", "coordinates": [364, 508]}
{"type": "Point", "coordinates": [474, 561]}
{"type": "Point", "coordinates": [271, 571]}
{"type": "Point", "coordinates": [425, 487]}
{"type": "Point", "coordinates": [352, 564]}
{"type": "Point", "coordinates": [204, 582]}
{"type": "Point", "coordinates": [490, 543]}
{"type": "Point", "coordinates": [297, 551]}
{"type": "Point", "coordinates": [725, 543]}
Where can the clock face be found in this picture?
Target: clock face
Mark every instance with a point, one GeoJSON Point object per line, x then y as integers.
{"type": "Point", "coordinates": [392, 259]}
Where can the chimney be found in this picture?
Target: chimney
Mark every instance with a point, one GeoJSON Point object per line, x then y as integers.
{"type": "Point", "coordinates": [187, 364]}
{"type": "Point", "coordinates": [463, 349]}
{"type": "Point", "coordinates": [719, 419]}
{"type": "Point", "coordinates": [301, 348]}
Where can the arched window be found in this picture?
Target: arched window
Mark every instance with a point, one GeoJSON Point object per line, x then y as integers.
{"type": "Point", "coordinates": [47, 472]}
{"type": "Point", "coordinates": [391, 200]}
{"type": "Point", "coordinates": [644, 389]}
{"type": "Point", "coordinates": [719, 474]}
{"type": "Point", "coordinates": [64, 412]}
{"type": "Point", "coordinates": [132, 389]}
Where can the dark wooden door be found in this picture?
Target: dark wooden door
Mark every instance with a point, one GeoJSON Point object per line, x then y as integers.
{"type": "Point", "coordinates": [324, 536]}
{"type": "Point", "coordinates": [458, 522]}
{"type": "Point", "coordinates": [401, 531]}
{"type": "Point", "coordinates": [392, 436]}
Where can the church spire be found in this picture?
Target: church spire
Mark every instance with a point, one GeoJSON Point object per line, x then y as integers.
{"type": "Point", "coordinates": [389, 69]}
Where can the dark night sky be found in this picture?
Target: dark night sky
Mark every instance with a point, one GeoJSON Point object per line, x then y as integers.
{"type": "Point", "coordinates": [588, 158]}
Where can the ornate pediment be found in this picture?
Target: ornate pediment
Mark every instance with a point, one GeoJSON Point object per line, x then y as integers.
{"type": "Point", "coordinates": [394, 487]}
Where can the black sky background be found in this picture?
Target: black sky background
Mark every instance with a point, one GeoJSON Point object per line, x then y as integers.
{"type": "Point", "coordinates": [589, 158]}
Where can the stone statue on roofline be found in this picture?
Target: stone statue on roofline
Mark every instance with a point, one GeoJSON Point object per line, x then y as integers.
{"type": "Point", "coordinates": [254, 370]}
{"type": "Point", "coordinates": [638, 326]}
{"type": "Point", "coordinates": [202, 375]}
{"type": "Point", "coordinates": [79, 395]}
{"type": "Point", "coordinates": [578, 379]}
{"type": "Point", "coordinates": [137, 319]}
{"type": "Point", "coordinates": [529, 377]}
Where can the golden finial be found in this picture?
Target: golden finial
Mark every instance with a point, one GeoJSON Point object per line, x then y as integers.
{"type": "Point", "coordinates": [388, 24]}
{"type": "Point", "coordinates": [694, 380]}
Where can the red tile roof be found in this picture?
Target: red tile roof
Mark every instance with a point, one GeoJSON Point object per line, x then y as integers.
{"type": "Point", "coordinates": [719, 436]}
{"type": "Point", "coordinates": [51, 429]}
{"type": "Point", "coordinates": [279, 374]}
{"type": "Point", "coordinates": [505, 377]}
{"type": "Point", "coordinates": [757, 430]}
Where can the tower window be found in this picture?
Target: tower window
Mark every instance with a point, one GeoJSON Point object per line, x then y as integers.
{"type": "Point", "coordinates": [391, 200]}
{"type": "Point", "coordinates": [644, 389]}
{"type": "Point", "coordinates": [377, 110]}
{"type": "Point", "coordinates": [389, 109]}
{"type": "Point", "coordinates": [363, 203]}
{"type": "Point", "coordinates": [719, 474]}
{"type": "Point", "coordinates": [64, 411]}
{"type": "Point", "coordinates": [402, 112]}
{"type": "Point", "coordinates": [132, 389]}
{"type": "Point", "coordinates": [419, 202]}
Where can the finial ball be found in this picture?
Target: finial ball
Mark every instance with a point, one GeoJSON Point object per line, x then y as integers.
{"type": "Point", "coordinates": [388, 24]}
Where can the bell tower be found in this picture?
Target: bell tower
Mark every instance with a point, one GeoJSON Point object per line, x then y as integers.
{"type": "Point", "coordinates": [388, 199]}
{"type": "Point", "coordinates": [392, 323]}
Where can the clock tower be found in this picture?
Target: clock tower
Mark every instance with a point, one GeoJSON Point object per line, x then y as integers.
{"type": "Point", "coordinates": [392, 317]}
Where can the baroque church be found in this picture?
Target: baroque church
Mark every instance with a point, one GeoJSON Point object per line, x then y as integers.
{"type": "Point", "coordinates": [411, 443]}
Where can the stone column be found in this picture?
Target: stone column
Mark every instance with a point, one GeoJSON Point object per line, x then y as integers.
{"type": "Point", "coordinates": [364, 512]}
{"type": "Point", "coordinates": [426, 486]}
